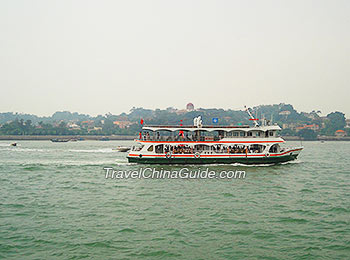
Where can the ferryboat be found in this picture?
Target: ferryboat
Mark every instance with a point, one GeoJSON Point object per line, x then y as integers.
{"type": "Point", "coordinates": [198, 144]}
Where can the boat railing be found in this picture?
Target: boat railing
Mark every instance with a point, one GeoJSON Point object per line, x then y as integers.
{"type": "Point", "coordinates": [184, 139]}
{"type": "Point", "coordinates": [193, 138]}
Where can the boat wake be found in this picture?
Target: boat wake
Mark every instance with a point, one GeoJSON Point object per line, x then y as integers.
{"type": "Point", "coordinates": [60, 164]}
{"type": "Point", "coordinates": [293, 162]}
{"type": "Point", "coordinates": [106, 150]}
{"type": "Point", "coordinates": [125, 163]}
{"type": "Point", "coordinates": [19, 149]}
{"type": "Point", "coordinates": [266, 165]}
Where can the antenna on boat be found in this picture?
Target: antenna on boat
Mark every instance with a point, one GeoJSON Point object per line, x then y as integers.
{"type": "Point", "coordinates": [197, 121]}
{"type": "Point", "coordinates": [252, 117]}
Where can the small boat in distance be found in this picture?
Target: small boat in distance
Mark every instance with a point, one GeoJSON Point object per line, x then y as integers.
{"type": "Point", "coordinates": [198, 144]}
{"type": "Point", "coordinates": [60, 140]}
{"type": "Point", "coordinates": [13, 144]}
{"type": "Point", "coordinates": [122, 149]}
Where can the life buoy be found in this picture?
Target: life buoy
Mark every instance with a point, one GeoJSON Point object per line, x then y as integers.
{"type": "Point", "coordinates": [197, 155]}
{"type": "Point", "coordinates": [168, 155]}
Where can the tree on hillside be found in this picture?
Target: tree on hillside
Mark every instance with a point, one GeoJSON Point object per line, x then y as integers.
{"type": "Point", "coordinates": [336, 121]}
{"type": "Point", "coordinates": [288, 132]}
{"type": "Point", "coordinates": [307, 134]}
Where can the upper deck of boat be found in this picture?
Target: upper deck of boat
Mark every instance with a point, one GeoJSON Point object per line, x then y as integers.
{"type": "Point", "coordinates": [210, 128]}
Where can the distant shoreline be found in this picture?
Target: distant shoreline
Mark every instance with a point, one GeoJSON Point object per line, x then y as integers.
{"type": "Point", "coordinates": [319, 138]}
{"type": "Point", "coordinates": [131, 137]}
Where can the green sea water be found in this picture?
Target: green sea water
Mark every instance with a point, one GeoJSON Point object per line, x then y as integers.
{"type": "Point", "coordinates": [57, 204]}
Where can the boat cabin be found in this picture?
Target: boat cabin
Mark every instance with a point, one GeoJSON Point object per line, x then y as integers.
{"type": "Point", "coordinates": [207, 133]}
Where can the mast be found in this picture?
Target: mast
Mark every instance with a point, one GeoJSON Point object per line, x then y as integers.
{"type": "Point", "coordinates": [252, 117]}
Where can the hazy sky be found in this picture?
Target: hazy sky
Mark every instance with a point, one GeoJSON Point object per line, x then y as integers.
{"type": "Point", "coordinates": [108, 56]}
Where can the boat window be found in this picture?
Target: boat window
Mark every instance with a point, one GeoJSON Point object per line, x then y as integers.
{"type": "Point", "coordinates": [257, 148]}
{"type": "Point", "coordinates": [275, 148]}
{"type": "Point", "coordinates": [150, 149]}
{"type": "Point", "coordinates": [257, 133]}
{"type": "Point", "coordinates": [235, 133]}
{"type": "Point", "coordinates": [137, 147]}
{"type": "Point", "coordinates": [242, 134]}
{"type": "Point", "coordinates": [159, 148]}
{"type": "Point", "coordinates": [271, 133]}
{"type": "Point", "coordinates": [249, 134]}
{"type": "Point", "coordinates": [201, 147]}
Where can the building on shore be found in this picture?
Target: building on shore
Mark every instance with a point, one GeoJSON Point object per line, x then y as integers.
{"type": "Point", "coordinates": [122, 124]}
{"type": "Point", "coordinates": [347, 121]}
{"type": "Point", "coordinates": [292, 126]}
{"type": "Point", "coordinates": [284, 113]}
{"type": "Point", "coordinates": [73, 126]}
{"type": "Point", "coordinates": [87, 124]}
{"type": "Point", "coordinates": [190, 107]}
{"type": "Point", "coordinates": [312, 127]}
{"type": "Point", "coordinates": [340, 133]}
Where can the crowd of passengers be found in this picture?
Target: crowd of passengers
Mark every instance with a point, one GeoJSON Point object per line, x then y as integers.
{"type": "Point", "coordinates": [186, 149]}
{"type": "Point", "coordinates": [179, 149]}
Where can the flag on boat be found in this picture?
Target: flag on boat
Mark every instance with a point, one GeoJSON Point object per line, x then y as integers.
{"type": "Point", "coordinates": [181, 133]}
{"type": "Point", "coordinates": [141, 121]}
